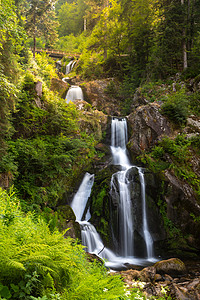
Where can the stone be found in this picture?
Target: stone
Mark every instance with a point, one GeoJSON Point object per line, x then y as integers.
{"type": "Point", "coordinates": [148, 274]}
{"type": "Point", "coordinates": [172, 267]}
{"type": "Point", "coordinates": [66, 212]}
{"type": "Point", "coordinates": [38, 88]}
{"type": "Point", "coordinates": [138, 100]}
{"type": "Point", "coordinates": [147, 126]}
{"type": "Point", "coordinates": [95, 93]}
{"type": "Point", "coordinates": [158, 277]}
{"type": "Point", "coordinates": [73, 230]}
{"type": "Point", "coordinates": [130, 275]}
{"type": "Point", "coordinates": [59, 86]}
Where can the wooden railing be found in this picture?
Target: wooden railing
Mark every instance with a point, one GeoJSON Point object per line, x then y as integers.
{"type": "Point", "coordinates": [56, 52]}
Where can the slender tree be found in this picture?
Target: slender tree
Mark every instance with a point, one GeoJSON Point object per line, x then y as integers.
{"type": "Point", "coordinates": [40, 20]}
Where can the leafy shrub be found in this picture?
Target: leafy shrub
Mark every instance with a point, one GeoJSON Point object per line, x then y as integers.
{"type": "Point", "coordinates": [194, 103]}
{"type": "Point", "coordinates": [176, 108]}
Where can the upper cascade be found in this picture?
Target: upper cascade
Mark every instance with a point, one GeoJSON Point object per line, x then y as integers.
{"type": "Point", "coordinates": [70, 66]}
{"type": "Point", "coordinates": [119, 139]}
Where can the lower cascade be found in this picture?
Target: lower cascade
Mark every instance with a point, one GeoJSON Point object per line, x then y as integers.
{"type": "Point", "coordinates": [120, 188]}
{"type": "Point", "coordinates": [74, 93]}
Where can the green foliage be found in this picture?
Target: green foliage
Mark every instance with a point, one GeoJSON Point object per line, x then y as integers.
{"type": "Point", "coordinates": [176, 107]}
{"type": "Point", "coordinates": [71, 43]}
{"type": "Point", "coordinates": [194, 103]}
{"type": "Point", "coordinates": [70, 17]}
{"type": "Point", "coordinates": [46, 166]}
{"type": "Point", "coordinates": [40, 20]}
{"type": "Point", "coordinates": [7, 96]}
{"type": "Point", "coordinates": [174, 155]}
{"type": "Point", "coordinates": [38, 264]}
{"type": "Point", "coordinates": [155, 91]}
{"type": "Point", "coordinates": [46, 67]}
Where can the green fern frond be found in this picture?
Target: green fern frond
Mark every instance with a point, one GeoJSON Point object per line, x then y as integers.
{"type": "Point", "coordinates": [13, 264]}
{"type": "Point", "coordinates": [36, 258]}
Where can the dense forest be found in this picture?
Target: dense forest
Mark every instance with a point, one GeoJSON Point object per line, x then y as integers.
{"type": "Point", "coordinates": [138, 59]}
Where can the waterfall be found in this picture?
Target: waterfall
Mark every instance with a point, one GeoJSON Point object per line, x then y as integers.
{"type": "Point", "coordinates": [120, 189]}
{"type": "Point", "coordinates": [147, 235]}
{"type": "Point", "coordinates": [80, 199]}
{"type": "Point", "coordinates": [121, 185]}
{"type": "Point", "coordinates": [74, 93]}
{"type": "Point", "coordinates": [70, 66]}
{"type": "Point", "coordinates": [90, 237]}
{"type": "Point", "coordinates": [125, 212]}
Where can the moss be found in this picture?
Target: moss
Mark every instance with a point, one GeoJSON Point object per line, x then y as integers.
{"type": "Point", "coordinates": [100, 203]}
{"type": "Point", "coordinates": [66, 212]}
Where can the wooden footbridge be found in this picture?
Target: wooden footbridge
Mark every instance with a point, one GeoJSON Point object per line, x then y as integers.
{"type": "Point", "coordinates": [56, 53]}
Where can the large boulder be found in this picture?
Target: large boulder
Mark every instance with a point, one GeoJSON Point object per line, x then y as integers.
{"type": "Point", "coordinates": [147, 126]}
{"type": "Point", "coordinates": [59, 86]}
{"type": "Point", "coordinates": [172, 267]}
{"type": "Point", "coordinates": [67, 220]}
{"type": "Point", "coordinates": [91, 120]}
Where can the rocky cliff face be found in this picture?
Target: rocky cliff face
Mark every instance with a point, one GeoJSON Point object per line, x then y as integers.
{"type": "Point", "coordinates": [100, 94]}
{"type": "Point", "coordinates": [147, 126]}
{"type": "Point", "coordinates": [172, 203]}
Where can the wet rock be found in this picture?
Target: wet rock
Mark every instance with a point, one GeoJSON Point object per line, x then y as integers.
{"type": "Point", "coordinates": [148, 274]}
{"type": "Point", "coordinates": [172, 267]}
{"type": "Point", "coordinates": [130, 275]}
{"type": "Point", "coordinates": [91, 257]}
{"type": "Point", "coordinates": [181, 202]}
{"type": "Point", "coordinates": [67, 220]}
{"type": "Point", "coordinates": [73, 230]}
{"type": "Point", "coordinates": [66, 212]}
{"type": "Point", "coordinates": [147, 126]}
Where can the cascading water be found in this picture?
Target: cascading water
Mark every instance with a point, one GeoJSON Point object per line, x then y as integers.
{"type": "Point", "coordinates": [70, 66]}
{"type": "Point", "coordinates": [81, 197]}
{"type": "Point", "coordinates": [121, 188]}
{"type": "Point", "coordinates": [74, 93]}
{"type": "Point", "coordinates": [90, 237]}
{"type": "Point", "coordinates": [147, 235]}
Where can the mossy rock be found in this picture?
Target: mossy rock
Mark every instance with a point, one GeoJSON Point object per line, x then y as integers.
{"type": "Point", "coordinates": [73, 230]}
{"type": "Point", "coordinates": [172, 267]}
{"type": "Point", "coordinates": [66, 212]}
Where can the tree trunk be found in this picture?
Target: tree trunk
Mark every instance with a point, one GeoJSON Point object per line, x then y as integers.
{"type": "Point", "coordinates": [34, 37]}
{"type": "Point", "coordinates": [85, 24]}
{"type": "Point", "coordinates": [185, 64]}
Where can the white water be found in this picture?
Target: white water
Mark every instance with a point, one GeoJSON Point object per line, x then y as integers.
{"type": "Point", "coordinates": [147, 236]}
{"type": "Point", "coordinates": [70, 66]}
{"type": "Point", "coordinates": [119, 187]}
{"type": "Point", "coordinates": [90, 237]}
{"type": "Point", "coordinates": [74, 93]}
{"type": "Point", "coordinates": [80, 199]}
